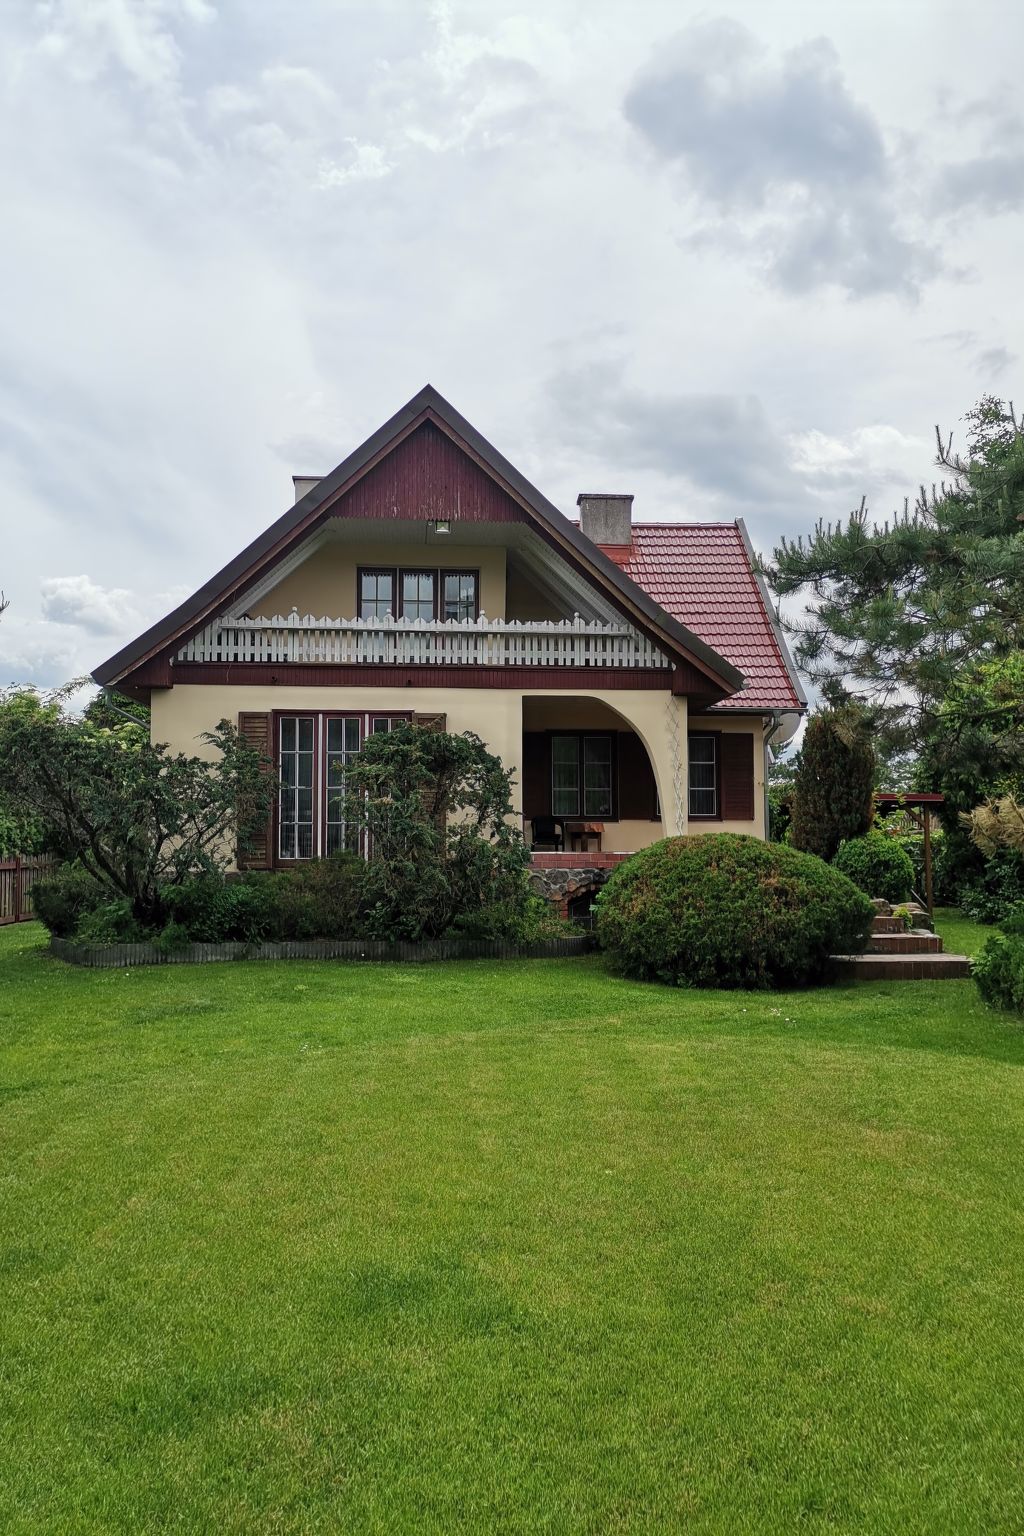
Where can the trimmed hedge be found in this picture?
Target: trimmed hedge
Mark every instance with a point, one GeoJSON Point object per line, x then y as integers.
{"type": "Point", "coordinates": [877, 865]}
{"type": "Point", "coordinates": [729, 911]}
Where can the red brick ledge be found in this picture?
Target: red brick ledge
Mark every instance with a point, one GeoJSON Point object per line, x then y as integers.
{"type": "Point", "coordinates": [577, 860]}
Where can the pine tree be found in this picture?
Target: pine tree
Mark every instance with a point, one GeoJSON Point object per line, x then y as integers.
{"type": "Point", "coordinates": [898, 611]}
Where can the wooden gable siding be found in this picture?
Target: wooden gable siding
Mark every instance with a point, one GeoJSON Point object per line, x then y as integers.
{"type": "Point", "coordinates": [428, 476]}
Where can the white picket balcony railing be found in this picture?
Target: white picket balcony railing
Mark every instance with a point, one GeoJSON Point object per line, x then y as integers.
{"type": "Point", "coordinates": [450, 643]}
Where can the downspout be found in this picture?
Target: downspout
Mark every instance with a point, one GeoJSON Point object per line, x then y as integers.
{"type": "Point", "coordinates": [775, 716]}
{"type": "Point", "coordinates": [116, 707]}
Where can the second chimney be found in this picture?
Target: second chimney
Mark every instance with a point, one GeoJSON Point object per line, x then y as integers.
{"type": "Point", "coordinates": [604, 518]}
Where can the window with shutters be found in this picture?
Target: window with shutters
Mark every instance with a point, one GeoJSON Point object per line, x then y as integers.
{"type": "Point", "coordinates": [312, 753]}
{"type": "Point", "coordinates": [703, 776]}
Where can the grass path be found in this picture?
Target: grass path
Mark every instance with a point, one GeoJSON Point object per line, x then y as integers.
{"type": "Point", "coordinates": [475, 1247]}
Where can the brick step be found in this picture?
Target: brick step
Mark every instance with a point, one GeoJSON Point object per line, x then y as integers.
{"type": "Point", "coordinates": [917, 942]}
{"type": "Point", "coordinates": [900, 967]}
{"type": "Point", "coordinates": [882, 924]}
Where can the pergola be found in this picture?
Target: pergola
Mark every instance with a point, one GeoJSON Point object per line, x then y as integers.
{"type": "Point", "coordinates": [919, 808]}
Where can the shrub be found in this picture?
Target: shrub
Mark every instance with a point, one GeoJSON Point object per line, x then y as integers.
{"type": "Point", "coordinates": [877, 865]}
{"type": "Point", "coordinates": [990, 893]}
{"type": "Point", "coordinates": [999, 969]}
{"type": "Point", "coordinates": [63, 898]}
{"type": "Point", "coordinates": [319, 900]}
{"type": "Point", "coordinates": [112, 923]}
{"type": "Point", "coordinates": [516, 922]}
{"type": "Point", "coordinates": [729, 911]}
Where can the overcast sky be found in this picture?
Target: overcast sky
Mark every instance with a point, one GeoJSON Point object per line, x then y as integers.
{"type": "Point", "coordinates": [735, 261]}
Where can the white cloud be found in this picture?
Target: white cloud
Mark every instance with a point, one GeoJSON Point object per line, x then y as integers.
{"type": "Point", "coordinates": [79, 600]}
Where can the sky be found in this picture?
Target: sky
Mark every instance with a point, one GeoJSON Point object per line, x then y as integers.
{"type": "Point", "coordinates": [738, 262]}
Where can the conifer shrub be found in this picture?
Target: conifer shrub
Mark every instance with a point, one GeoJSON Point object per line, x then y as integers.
{"type": "Point", "coordinates": [834, 784]}
{"type": "Point", "coordinates": [729, 911]}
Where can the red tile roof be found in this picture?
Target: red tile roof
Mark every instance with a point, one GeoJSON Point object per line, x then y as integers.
{"type": "Point", "coordinates": [702, 575]}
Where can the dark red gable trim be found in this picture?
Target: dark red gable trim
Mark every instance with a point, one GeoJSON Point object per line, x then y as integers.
{"type": "Point", "coordinates": [328, 675]}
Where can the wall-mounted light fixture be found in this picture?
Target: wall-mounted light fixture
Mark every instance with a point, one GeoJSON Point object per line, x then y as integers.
{"type": "Point", "coordinates": [440, 525]}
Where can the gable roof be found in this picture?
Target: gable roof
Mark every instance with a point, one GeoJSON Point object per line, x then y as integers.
{"type": "Point", "coordinates": [704, 575]}
{"type": "Point", "coordinates": [318, 503]}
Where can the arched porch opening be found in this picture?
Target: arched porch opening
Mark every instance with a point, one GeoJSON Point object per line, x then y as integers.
{"type": "Point", "coordinates": [589, 784]}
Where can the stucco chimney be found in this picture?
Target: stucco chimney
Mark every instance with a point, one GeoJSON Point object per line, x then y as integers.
{"type": "Point", "coordinates": [605, 518]}
{"type": "Point", "coordinates": [304, 483]}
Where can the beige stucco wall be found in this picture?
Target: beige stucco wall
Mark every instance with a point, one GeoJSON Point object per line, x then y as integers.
{"type": "Point", "coordinates": [724, 723]}
{"type": "Point", "coordinates": [181, 714]}
{"type": "Point", "coordinates": [325, 584]}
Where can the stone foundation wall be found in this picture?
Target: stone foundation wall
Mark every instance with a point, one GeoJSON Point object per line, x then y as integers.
{"type": "Point", "coordinates": [563, 877]}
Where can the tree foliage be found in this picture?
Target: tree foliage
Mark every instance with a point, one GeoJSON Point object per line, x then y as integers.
{"type": "Point", "coordinates": [896, 611]}
{"type": "Point", "coordinates": [435, 811]}
{"type": "Point", "coordinates": [834, 782]}
{"type": "Point", "coordinates": [137, 817]}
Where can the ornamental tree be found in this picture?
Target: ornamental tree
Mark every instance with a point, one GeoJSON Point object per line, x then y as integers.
{"type": "Point", "coordinates": [137, 817]}
{"type": "Point", "coordinates": [834, 782]}
{"type": "Point", "coordinates": [434, 811]}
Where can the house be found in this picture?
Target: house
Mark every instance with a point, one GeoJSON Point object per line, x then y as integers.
{"type": "Point", "coordinates": [633, 674]}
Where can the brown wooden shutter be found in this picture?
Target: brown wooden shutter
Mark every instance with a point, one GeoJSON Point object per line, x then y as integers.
{"type": "Point", "coordinates": [536, 774]}
{"type": "Point", "coordinates": [637, 793]}
{"type": "Point", "coordinates": [254, 849]}
{"type": "Point", "coordinates": [737, 756]}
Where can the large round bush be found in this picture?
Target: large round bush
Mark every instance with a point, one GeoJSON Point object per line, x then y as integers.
{"type": "Point", "coordinates": [729, 911]}
{"type": "Point", "coordinates": [878, 865]}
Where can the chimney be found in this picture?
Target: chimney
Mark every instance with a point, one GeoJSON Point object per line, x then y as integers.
{"type": "Point", "coordinates": [604, 518]}
{"type": "Point", "coordinates": [304, 483]}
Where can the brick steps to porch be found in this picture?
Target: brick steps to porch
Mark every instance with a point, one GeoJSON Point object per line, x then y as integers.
{"type": "Point", "coordinates": [896, 953]}
{"type": "Point", "coordinates": [918, 941]}
{"type": "Point", "coordinates": [900, 967]}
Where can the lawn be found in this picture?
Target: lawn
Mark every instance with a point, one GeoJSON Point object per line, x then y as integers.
{"type": "Point", "coordinates": [504, 1248]}
{"type": "Point", "coordinates": [960, 936]}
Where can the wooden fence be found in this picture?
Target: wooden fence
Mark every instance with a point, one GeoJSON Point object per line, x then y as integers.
{"type": "Point", "coordinates": [17, 877]}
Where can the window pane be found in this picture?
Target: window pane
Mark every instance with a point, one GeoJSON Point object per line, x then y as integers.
{"type": "Point", "coordinates": [460, 595]}
{"type": "Point", "coordinates": [342, 745]}
{"type": "Point", "coordinates": [417, 595]}
{"type": "Point", "coordinates": [376, 594]}
{"type": "Point", "coordinates": [703, 798]}
{"type": "Point", "coordinates": [296, 796]}
{"type": "Point", "coordinates": [597, 776]}
{"type": "Point", "coordinates": [565, 775]}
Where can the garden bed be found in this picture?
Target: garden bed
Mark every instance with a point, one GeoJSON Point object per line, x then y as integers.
{"type": "Point", "coordinates": [119, 956]}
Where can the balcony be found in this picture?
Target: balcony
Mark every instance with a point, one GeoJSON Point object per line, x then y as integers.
{"type": "Point", "coordinates": [453, 643]}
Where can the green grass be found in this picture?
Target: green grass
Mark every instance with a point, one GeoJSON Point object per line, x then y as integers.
{"type": "Point", "coordinates": [961, 935]}
{"type": "Point", "coordinates": [504, 1248]}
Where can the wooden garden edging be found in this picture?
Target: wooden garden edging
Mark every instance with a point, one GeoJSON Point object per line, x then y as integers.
{"type": "Point", "coordinates": [120, 956]}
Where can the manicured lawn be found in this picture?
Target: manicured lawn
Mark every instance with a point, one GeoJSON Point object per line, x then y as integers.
{"type": "Point", "coordinates": [961, 935]}
{"type": "Point", "coordinates": [504, 1248]}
